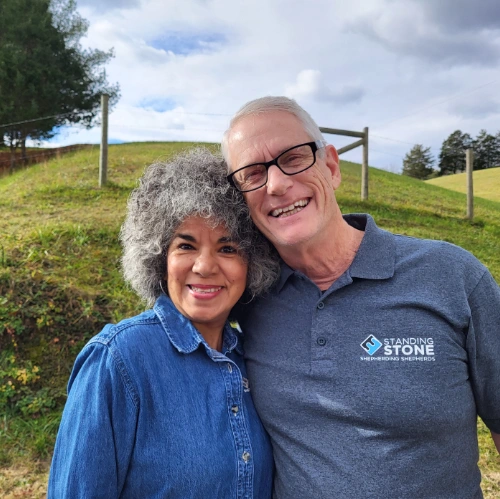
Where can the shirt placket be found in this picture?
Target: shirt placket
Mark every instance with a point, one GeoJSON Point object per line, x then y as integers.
{"type": "Point", "coordinates": [323, 328]}
{"type": "Point", "coordinates": [234, 395]}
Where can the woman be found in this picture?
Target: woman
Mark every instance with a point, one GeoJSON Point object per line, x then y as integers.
{"type": "Point", "coordinates": [159, 405]}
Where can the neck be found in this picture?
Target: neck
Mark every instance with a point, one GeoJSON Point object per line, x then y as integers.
{"type": "Point", "coordinates": [212, 335]}
{"type": "Point", "coordinates": [327, 257]}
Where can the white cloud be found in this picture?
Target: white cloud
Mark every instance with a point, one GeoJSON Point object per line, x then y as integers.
{"type": "Point", "coordinates": [402, 68]}
{"type": "Point", "coordinates": [309, 85]}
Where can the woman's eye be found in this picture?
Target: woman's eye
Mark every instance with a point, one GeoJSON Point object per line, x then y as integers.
{"type": "Point", "coordinates": [185, 246]}
{"type": "Point", "coordinates": [229, 249]}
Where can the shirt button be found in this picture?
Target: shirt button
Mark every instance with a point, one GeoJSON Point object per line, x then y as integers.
{"type": "Point", "coordinates": [229, 367]}
{"type": "Point", "coordinates": [246, 457]}
{"type": "Point", "coordinates": [235, 409]}
{"type": "Point", "coordinates": [321, 305]}
{"type": "Point", "coordinates": [321, 341]}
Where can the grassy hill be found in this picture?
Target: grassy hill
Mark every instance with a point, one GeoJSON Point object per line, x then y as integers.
{"type": "Point", "coordinates": [60, 280]}
{"type": "Point", "coordinates": [486, 183]}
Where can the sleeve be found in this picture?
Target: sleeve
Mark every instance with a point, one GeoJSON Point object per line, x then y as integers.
{"type": "Point", "coordinates": [483, 345]}
{"type": "Point", "coordinates": [96, 436]}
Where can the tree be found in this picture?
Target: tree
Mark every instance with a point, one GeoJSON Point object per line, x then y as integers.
{"type": "Point", "coordinates": [45, 73]}
{"type": "Point", "coordinates": [418, 162]}
{"type": "Point", "coordinates": [486, 150]}
{"type": "Point", "coordinates": [452, 155]}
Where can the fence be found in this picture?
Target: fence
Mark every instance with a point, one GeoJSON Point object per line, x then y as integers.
{"type": "Point", "coordinates": [363, 141]}
{"type": "Point", "coordinates": [33, 157]}
{"type": "Point", "coordinates": [6, 158]}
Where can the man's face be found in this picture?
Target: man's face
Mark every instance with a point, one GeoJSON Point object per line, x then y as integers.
{"type": "Point", "coordinates": [289, 210]}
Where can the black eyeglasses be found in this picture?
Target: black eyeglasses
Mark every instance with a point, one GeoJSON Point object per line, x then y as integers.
{"type": "Point", "coordinates": [290, 162]}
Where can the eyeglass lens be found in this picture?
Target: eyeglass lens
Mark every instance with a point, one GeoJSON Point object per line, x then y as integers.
{"type": "Point", "coordinates": [290, 162]}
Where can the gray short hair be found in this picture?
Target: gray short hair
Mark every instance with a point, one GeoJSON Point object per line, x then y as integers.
{"type": "Point", "coordinates": [268, 104]}
{"type": "Point", "coordinates": [192, 183]}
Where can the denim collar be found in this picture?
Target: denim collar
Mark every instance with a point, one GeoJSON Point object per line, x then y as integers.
{"type": "Point", "coordinates": [185, 337]}
{"type": "Point", "coordinates": [375, 258]}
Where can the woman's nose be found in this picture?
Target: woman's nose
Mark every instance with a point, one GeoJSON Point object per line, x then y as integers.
{"type": "Point", "coordinates": [205, 265]}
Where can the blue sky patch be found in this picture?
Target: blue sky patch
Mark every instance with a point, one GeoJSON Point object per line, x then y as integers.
{"type": "Point", "coordinates": [158, 104]}
{"type": "Point", "coordinates": [188, 43]}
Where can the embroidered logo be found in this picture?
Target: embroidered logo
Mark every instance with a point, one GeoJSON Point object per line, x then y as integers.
{"type": "Point", "coordinates": [410, 349]}
{"type": "Point", "coordinates": [371, 345]}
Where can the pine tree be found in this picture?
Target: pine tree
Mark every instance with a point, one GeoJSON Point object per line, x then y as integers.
{"type": "Point", "coordinates": [418, 162]}
{"type": "Point", "coordinates": [44, 72]}
{"type": "Point", "coordinates": [486, 150]}
{"type": "Point", "coordinates": [452, 155]}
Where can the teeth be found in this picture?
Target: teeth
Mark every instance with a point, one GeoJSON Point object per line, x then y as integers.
{"type": "Point", "coordinates": [290, 210]}
{"type": "Point", "coordinates": [206, 290]}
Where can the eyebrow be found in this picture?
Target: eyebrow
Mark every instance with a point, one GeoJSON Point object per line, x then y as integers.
{"type": "Point", "coordinates": [186, 237]}
{"type": "Point", "coordinates": [191, 239]}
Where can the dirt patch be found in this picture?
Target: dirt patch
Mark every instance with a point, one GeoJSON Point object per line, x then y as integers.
{"type": "Point", "coordinates": [22, 482]}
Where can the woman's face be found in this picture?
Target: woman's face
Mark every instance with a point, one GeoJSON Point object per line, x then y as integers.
{"type": "Point", "coordinates": [206, 274]}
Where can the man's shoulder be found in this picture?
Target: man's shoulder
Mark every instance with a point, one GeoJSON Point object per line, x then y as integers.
{"type": "Point", "coordinates": [441, 258]}
{"type": "Point", "coordinates": [434, 248]}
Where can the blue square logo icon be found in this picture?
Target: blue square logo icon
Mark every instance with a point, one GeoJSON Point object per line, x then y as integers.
{"type": "Point", "coordinates": [371, 345]}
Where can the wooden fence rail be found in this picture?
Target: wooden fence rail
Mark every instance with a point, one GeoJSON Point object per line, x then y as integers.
{"type": "Point", "coordinates": [363, 141]}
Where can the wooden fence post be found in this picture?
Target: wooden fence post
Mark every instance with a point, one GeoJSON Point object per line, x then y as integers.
{"type": "Point", "coordinates": [363, 141]}
{"type": "Point", "coordinates": [469, 167]}
{"type": "Point", "coordinates": [364, 167]}
{"type": "Point", "coordinates": [103, 157]}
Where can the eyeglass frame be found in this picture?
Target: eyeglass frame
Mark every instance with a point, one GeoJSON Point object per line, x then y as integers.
{"type": "Point", "coordinates": [315, 145]}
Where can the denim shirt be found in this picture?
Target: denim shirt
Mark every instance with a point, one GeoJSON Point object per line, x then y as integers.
{"type": "Point", "coordinates": [154, 412]}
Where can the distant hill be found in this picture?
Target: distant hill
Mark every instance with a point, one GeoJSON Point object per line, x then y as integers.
{"type": "Point", "coordinates": [486, 183]}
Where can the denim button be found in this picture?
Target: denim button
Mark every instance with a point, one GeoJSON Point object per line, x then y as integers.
{"type": "Point", "coordinates": [229, 367]}
{"type": "Point", "coordinates": [321, 305]}
{"type": "Point", "coordinates": [321, 341]}
{"type": "Point", "coordinates": [245, 456]}
{"type": "Point", "coordinates": [235, 409]}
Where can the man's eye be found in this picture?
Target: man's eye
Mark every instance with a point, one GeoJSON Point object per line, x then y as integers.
{"type": "Point", "coordinates": [293, 159]}
{"type": "Point", "coordinates": [185, 246]}
{"type": "Point", "coordinates": [253, 173]}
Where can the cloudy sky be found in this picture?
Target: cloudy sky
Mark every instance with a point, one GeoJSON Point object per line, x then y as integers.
{"type": "Point", "coordinates": [413, 71]}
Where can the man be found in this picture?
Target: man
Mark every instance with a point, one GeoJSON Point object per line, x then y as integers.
{"type": "Point", "coordinates": [372, 357]}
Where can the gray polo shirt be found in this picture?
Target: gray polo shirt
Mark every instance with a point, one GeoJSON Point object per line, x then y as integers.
{"type": "Point", "coordinates": [372, 388]}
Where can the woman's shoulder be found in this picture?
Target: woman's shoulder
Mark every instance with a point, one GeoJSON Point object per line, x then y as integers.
{"type": "Point", "coordinates": [141, 333]}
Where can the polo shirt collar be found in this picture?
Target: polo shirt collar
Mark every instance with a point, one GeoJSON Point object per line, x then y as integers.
{"type": "Point", "coordinates": [184, 336]}
{"type": "Point", "coordinates": [376, 255]}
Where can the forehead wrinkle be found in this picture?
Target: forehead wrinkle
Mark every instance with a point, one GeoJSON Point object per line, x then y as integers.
{"type": "Point", "coordinates": [263, 145]}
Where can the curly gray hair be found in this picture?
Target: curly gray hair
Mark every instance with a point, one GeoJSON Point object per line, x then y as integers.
{"type": "Point", "coordinates": [192, 183]}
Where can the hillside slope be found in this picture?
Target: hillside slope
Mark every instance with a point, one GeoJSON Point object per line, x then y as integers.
{"type": "Point", "coordinates": [486, 183]}
{"type": "Point", "coordinates": [60, 280]}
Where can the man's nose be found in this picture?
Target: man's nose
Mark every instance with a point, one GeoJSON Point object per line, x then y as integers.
{"type": "Point", "coordinates": [205, 264]}
{"type": "Point", "coordinates": [277, 182]}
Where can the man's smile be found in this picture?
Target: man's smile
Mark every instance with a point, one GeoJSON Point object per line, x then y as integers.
{"type": "Point", "coordinates": [291, 209]}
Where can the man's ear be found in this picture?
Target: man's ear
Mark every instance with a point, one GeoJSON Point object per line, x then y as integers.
{"type": "Point", "coordinates": [332, 162]}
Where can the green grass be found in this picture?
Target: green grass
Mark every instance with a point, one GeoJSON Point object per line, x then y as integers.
{"type": "Point", "coordinates": [60, 280]}
{"type": "Point", "coordinates": [486, 183]}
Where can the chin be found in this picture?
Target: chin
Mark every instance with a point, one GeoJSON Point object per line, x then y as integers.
{"type": "Point", "coordinates": [290, 240]}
